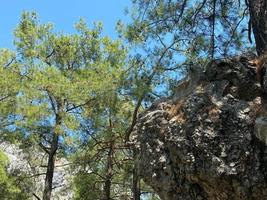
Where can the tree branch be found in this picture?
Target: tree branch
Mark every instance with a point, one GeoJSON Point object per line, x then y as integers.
{"type": "Point", "coordinates": [80, 105]}
{"type": "Point", "coordinates": [134, 118]}
{"type": "Point", "coordinates": [35, 195]}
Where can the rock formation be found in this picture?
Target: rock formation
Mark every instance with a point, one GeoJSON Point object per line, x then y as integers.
{"type": "Point", "coordinates": [30, 165]}
{"type": "Point", "coordinates": [210, 143]}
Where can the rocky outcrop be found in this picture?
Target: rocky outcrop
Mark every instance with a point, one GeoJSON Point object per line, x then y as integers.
{"type": "Point", "coordinates": [29, 166]}
{"type": "Point", "coordinates": [209, 144]}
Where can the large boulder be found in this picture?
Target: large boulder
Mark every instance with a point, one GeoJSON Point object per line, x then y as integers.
{"type": "Point", "coordinates": [210, 143]}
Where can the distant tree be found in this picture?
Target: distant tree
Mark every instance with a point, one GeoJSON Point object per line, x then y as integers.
{"type": "Point", "coordinates": [65, 77]}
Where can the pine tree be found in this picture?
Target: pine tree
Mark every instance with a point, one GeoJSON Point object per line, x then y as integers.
{"type": "Point", "coordinates": [65, 77]}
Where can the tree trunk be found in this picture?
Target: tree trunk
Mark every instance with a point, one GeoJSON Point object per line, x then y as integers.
{"type": "Point", "coordinates": [136, 184]}
{"type": "Point", "coordinates": [51, 160]}
{"type": "Point", "coordinates": [258, 16]}
{"type": "Point", "coordinates": [109, 174]}
{"type": "Point", "coordinates": [50, 169]}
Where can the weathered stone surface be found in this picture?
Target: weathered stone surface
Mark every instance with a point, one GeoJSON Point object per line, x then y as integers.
{"type": "Point", "coordinates": [30, 165]}
{"type": "Point", "coordinates": [261, 129]}
{"type": "Point", "coordinates": [210, 144]}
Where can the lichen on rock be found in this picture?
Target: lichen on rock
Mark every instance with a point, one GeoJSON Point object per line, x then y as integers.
{"type": "Point", "coordinates": [210, 143]}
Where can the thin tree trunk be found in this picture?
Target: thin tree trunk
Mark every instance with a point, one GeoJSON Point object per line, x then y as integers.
{"type": "Point", "coordinates": [136, 184]}
{"type": "Point", "coordinates": [213, 21]}
{"type": "Point", "coordinates": [51, 161]}
{"type": "Point", "coordinates": [258, 15]}
{"type": "Point", "coordinates": [109, 174]}
{"type": "Point", "coordinates": [50, 169]}
{"type": "Point", "coordinates": [136, 178]}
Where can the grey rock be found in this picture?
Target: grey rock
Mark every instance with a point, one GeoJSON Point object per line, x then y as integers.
{"type": "Point", "coordinates": [211, 146]}
{"type": "Point", "coordinates": [28, 163]}
{"type": "Point", "coordinates": [261, 129]}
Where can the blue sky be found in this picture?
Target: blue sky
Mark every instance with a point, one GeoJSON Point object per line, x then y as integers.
{"type": "Point", "coordinates": [62, 13]}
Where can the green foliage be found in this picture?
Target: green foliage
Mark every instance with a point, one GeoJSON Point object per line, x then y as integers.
{"type": "Point", "coordinates": [9, 189]}
{"type": "Point", "coordinates": [59, 81]}
{"type": "Point", "coordinates": [92, 161]}
{"type": "Point", "coordinates": [80, 79]}
{"type": "Point", "coordinates": [169, 37]}
{"type": "Point", "coordinates": [66, 74]}
{"type": "Point", "coordinates": [88, 186]}
{"type": "Point", "coordinates": [9, 84]}
{"type": "Point", "coordinates": [85, 88]}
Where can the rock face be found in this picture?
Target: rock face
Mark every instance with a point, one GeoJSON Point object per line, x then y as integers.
{"type": "Point", "coordinates": [29, 166]}
{"type": "Point", "coordinates": [209, 144]}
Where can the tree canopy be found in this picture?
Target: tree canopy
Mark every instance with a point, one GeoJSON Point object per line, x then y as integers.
{"type": "Point", "coordinates": [78, 95]}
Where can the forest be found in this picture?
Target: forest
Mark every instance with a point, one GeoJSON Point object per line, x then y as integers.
{"type": "Point", "coordinates": [173, 108]}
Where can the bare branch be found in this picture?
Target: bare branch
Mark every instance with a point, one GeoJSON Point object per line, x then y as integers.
{"type": "Point", "coordinates": [10, 62]}
{"type": "Point", "coordinates": [80, 105]}
{"type": "Point", "coordinates": [46, 149]}
{"type": "Point", "coordinates": [4, 97]}
{"type": "Point", "coordinates": [134, 118]}
{"type": "Point", "coordinates": [35, 195]}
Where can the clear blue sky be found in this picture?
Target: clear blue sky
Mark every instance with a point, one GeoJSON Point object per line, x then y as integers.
{"type": "Point", "coordinates": [62, 13]}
